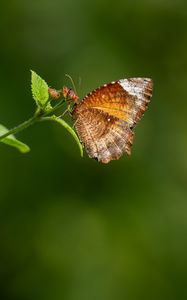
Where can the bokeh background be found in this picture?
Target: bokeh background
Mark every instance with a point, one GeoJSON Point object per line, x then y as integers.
{"type": "Point", "coordinates": [71, 228]}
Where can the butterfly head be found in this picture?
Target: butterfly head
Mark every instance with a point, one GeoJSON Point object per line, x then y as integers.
{"type": "Point", "coordinates": [69, 94]}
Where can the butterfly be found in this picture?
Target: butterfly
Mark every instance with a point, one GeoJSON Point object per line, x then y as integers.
{"type": "Point", "coordinates": [106, 117]}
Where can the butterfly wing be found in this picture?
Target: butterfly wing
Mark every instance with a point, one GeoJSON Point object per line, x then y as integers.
{"type": "Point", "coordinates": [105, 118]}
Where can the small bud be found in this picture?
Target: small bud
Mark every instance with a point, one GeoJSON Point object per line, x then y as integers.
{"type": "Point", "coordinates": [65, 91]}
{"type": "Point", "coordinates": [54, 93]}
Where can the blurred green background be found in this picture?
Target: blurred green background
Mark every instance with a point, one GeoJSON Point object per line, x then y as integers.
{"type": "Point", "coordinates": [71, 228]}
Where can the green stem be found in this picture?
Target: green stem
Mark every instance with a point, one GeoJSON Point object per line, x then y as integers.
{"type": "Point", "coordinates": [57, 106]}
{"type": "Point", "coordinates": [20, 127]}
{"type": "Point", "coordinates": [37, 117]}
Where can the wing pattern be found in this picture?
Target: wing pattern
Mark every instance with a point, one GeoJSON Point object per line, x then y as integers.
{"type": "Point", "coordinates": [105, 118]}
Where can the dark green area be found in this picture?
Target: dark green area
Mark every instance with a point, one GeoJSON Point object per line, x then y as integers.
{"type": "Point", "coordinates": [71, 228]}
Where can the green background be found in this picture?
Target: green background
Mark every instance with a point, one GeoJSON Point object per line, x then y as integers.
{"type": "Point", "coordinates": [71, 228]}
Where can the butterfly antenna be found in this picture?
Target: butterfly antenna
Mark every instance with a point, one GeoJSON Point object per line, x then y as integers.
{"type": "Point", "coordinates": [79, 83]}
{"type": "Point", "coordinates": [72, 82]}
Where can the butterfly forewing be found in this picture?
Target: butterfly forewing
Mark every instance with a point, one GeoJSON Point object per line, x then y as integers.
{"type": "Point", "coordinates": [105, 118]}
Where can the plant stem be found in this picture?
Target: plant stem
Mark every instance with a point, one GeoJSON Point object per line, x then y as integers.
{"type": "Point", "coordinates": [31, 121]}
{"type": "Point", "coordinates": [20, 127]}
{"type": "Point", "coordinates": [57, 106]}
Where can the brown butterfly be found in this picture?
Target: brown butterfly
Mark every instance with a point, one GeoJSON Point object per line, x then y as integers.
{"type": "Point", "coordinates": [105, 118]}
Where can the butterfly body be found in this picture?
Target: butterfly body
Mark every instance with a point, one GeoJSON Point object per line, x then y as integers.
{"type": "Point", "coordinates": [105, 118]}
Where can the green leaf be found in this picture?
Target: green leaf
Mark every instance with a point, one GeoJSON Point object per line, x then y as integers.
{"type": "Point", "coordinates": [12, 141]}
{"type": "Point", "coordinates": [68, 128]}
{"type": "Point", "coordinates": [39, 90]}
